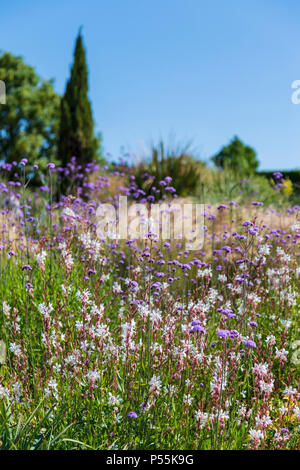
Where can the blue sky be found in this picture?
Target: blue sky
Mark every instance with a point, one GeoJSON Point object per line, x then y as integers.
{"type": "Point", "coordinates": [200, 70]}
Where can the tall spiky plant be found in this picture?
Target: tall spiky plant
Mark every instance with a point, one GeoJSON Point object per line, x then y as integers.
{"type": "Point", "coordinates": [76, 131]}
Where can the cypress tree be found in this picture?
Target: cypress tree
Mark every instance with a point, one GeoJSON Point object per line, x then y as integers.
{"type": "Point", "coordinates": [76, 130]}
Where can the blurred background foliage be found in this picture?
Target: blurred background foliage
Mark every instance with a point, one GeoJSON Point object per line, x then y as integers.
{"type": "Point", "coordinates": [34, 126]}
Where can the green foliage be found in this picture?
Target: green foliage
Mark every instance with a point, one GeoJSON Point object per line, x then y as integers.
{"type": "Point", "coordinates": [175, 162]}
{"type": "Point", "coordinates": [216, 186]}
{"type": "Point", "coordinates": [76, 129]}
{"type": "Point", "coordinates": [29, 119]}
{"type": "Point", "coordinates": [290, 175]}
{"type": "Point", "coordinates": [237, 156]}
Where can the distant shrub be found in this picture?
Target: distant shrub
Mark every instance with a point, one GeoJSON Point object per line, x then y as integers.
{"type": "Point", "coordinates": [236, 156]}
{"type": "Point", "coordinates": [216, 186]}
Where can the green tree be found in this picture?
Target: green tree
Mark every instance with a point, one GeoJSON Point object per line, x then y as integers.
{"type": "Point", "coordinates": [76, 130]}
{"type": "Point", "coordinates": [237, 156]}
{"type": "Point", "coordinates": [29, 119]}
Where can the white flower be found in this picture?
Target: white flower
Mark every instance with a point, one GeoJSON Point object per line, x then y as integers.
{"type": "Point", "coordinates": [266, 387]}
{"type": "Point", "coordinates": [93, 375]}
{"type": "Point", "coordinates": [283, 410]}
{"type": "Point", "coordinates": [260, 369]}
{"type": "Point", "coordinates": [3, 392]}
{"type": "Point", "coordinates": [15, 349]}
{"type": "Point", "coordinates": [45, 310]}
{"type": "Point", "coordinates": [289, 391]}
{"type": "Point", "coordinates": [281, 354]}
{"type": "Point", "coordinates": [113, 400]}
{"type": "Point", "coordinates": [52, 384]}
{"type": "Point", "coordinates": [6, 308]}
{"type": "Point", "coordinates": [17, 391]}
{"type": "Point", "coordinates": [187, 399]}
{"type": "Point", "coordinates": [155, 384]}
{"type": "Point", "coordinates": [296, 410]}
{"type": "Point", "coordinates": [263, 422]}
{"type": "Point", "coordinates": [270, 340]}
{"type": "Point", "coordinates": [41, 257]}
{"type": "Point", "coordinates": [201, 417]}
{"type": "Point", "coordinates": [256, 434]}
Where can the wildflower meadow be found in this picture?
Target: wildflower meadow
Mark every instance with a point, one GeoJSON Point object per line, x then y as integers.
{"type": "Point", "coordinates": [143, 343]}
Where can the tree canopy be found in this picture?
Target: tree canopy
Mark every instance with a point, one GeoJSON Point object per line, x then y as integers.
{"type": "Point", "coordinates": [237, 156]}
{"type": "Point", "coordinates": [29, 119]}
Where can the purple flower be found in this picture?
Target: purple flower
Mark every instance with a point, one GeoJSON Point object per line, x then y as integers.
{"type": "Point", "coordinates": [253, 231]}
{"type": "Point", "coordinates": [170, 189]}
{"type": "Point", "coordinates": [250, 344]}
{"type": "Point", "coordinates": [132, 414]}
{"type": "Point", "coordinates": [257, 203]}
{"type": "Point", "coordinates": [197, 328]}
{"type": "Point", "coordinates": [223, 333]}
{"type": "Point", "coordinates": [26, 267]}
{"type": "Point", "coordinates": [233, 333]}
{"type": "Point", "coordinates": [284, 430]}
{"type": "Point", "coordinates": [226, 311]}
{"type": "Point", "coordinates": [277, 175]}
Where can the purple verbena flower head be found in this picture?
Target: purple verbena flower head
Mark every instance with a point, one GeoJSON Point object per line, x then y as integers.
{"type": "Point", "coordinates": [284, 430]}
{"type": "Point", "coordinates": [277, 175]}
{"type": "Point", "coordinates": [23, 161]}
{"type": "Point", "coordinates": [233, 334]}
{"type": "Point", "coordinates": [26, 267]}
{"type": "Point", "coordinates": [198, 329]}
{"type": "Point", "coordinates": [223, 333]}
{"type": "Point", "coordinates": [257, 203]}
